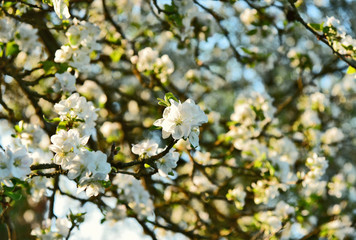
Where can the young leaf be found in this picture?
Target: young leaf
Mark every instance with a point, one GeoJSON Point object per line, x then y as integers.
{"type": "Point", "coordinates": [12, 49]}
{"type": "Point", "coordinates": [169, 96]}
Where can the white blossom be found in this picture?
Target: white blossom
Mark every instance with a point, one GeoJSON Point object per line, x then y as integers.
{"type": "Point", "coordinates": [248, 16]}
{"type": "Point", "coordinates": [61, 8]}
{"type": "Point", "coordinates": [179, 119]}
{"type": "Point", "coordinates": [147, 57]}
{"type": "Point", "coordinates": [98, 165]}
{"type": "Point", "coordinates": [66, 144]}
{"type": "Point", "coordinates": [21, 163]}
{"type": "Point", "coordinates": [77, 107]}
{"type": "Point", "coordinates": [237, 195]}
{"type": "Point", "coordinates": [66, 82]}
{"type": "Point", "coordinates": [63, 54]}
{"type": "Point", "coordinates": [332, 135]}
{"type": "Point", "coordinates": [131, 190]}
{"type": "Point", "coordinates": [317, 166]}
{"type": "Point", "coordinates": [28, 39]}
{"type": "Point", "coordinates": [5, 167]}
{"type": "Point", "coordinates": [310, 118]}
{"type": "Point", "coordinates": [149, 60]}
{"type": "Point", "coordinates": [167, 162]}
{"type": "Point", "coordinates": [14, 164]}
{"type": "Point", "coordinates": [147, 148]}
{"type": "Point", "coordinates": [7, 27]}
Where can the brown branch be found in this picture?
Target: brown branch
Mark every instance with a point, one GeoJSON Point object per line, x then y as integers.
{"type": "Point", "coordinates": [218, 18]}
{"type": "Point", "coordinates": [111, 20]}
{"type": "Point", "coordinates": [310, 235]}
{"type": "Point", "coordinates": [148, 160]}
{"type": "Point", "coordinates": [52, 198]}
{"type": "Point", "coordinates": [146, 229]}
{"type": "Point", "coordinates": [45, 166]}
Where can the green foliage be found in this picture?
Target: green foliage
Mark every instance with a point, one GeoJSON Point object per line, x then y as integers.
{"type": "Point", "coordinates": [165, 102]}
{"type": "Point", "coordinates": [12, 49]}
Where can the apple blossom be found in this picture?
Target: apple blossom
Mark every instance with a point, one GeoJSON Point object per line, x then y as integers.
{"type": "Point", "coordinates": [61, 8]}
{"type": "Point", "coordinates": [167, 163]}
{"type": "Point", "coordinates": [66, 145]}
{"type": "Point", "coordinates": [145, 148]}
{"type": "Point", "coordinates": [66, 82]}
{"type": "Point", "coordinates": [180, 119]}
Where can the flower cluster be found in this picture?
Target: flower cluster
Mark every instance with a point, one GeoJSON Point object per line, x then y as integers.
{"type": "Point", "coordinates": [182, 120]}
{"type": "Point", "coordinates": [312, 180]}
{"type": "Point", "coordinates": [266, 191]}
{"type": "Point", "coordinates": [337, 37]}
{"type": "Point", "coordinates": [82, 41]}
{"type": "Point", "coordinates": [271, 221]}
{"type": "Point", "coordinates": [66, 82]}
{"type": "Point", "coordinates": [148, 61]}
{"type": "Point", "coordinates": [131, 191]}
{"type": "Point", "coordinates": [22, 42]}
{"type": "Point", "coordinates": [252, 111]}
{"type": "Point", "coordinates": [79, 112]}
{"type": "Point", "coordinates": [66, 145]}
{"type": "Point", "coordinates": [60, 231]}
{"type": "Point", "coordinates": [32, 136]}
{"type": "Point", "coordinates": [14, 164]}
{"type": "Point", "coordinates": [275, 174]}
{"type": "Point", "coordinates": [237, 195]}
{"type": "Point", "coordinates": [89, 167]}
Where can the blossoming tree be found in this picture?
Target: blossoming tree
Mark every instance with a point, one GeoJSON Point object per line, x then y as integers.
{"type": "Point", "coordinates": [196, 119]}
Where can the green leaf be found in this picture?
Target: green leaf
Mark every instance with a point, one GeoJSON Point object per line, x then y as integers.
{"type": "Point", "coordinates": [246, 50]}
{"type": "Point", "coordinates": [14, 195]}
{"type": "Point", "coordinates": [252, 32]}
{"type": "Point", "coordinates": [155, 128]}
{"type": "Point", "coordinates": [18, 128]}
{"type": "Point", "coordinates": [170, 8]}
{"type": "Point", "coordinates": [351, 70]}
{"type": "Point", "coordinates": [9, 4]}
{"type": "Point", "coordinates": [316, 26]}
{"type": "Point", "coordinates": [233, 123]}
{"type": "Point", "coordinates": [47, 65]}
{"type": "Point", "coordinates": [51, 120]}
{"type": "Point", "coordinates": [163, 102]}
{"type": "Point", "coordinates": [106, 184]}
{"type": "Point", "coordinates": [12, 49]}
{"type": "Point", "coordinates": [62, 126]}
{"type": "Point", "coordinates": [147, 165]}
{"type": "Point", "coordinates": [169, 96]}
{"type": "Point", "coordinates": [61, 68]}
{"type": "Point", "coordinates": [259, 113]}
{"type": "Point", "coordinates": [79, 120]}
{"type": "Point", "coordinates": [76, 218]}
{"type": "Point", "coordinates": [117, 54]}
